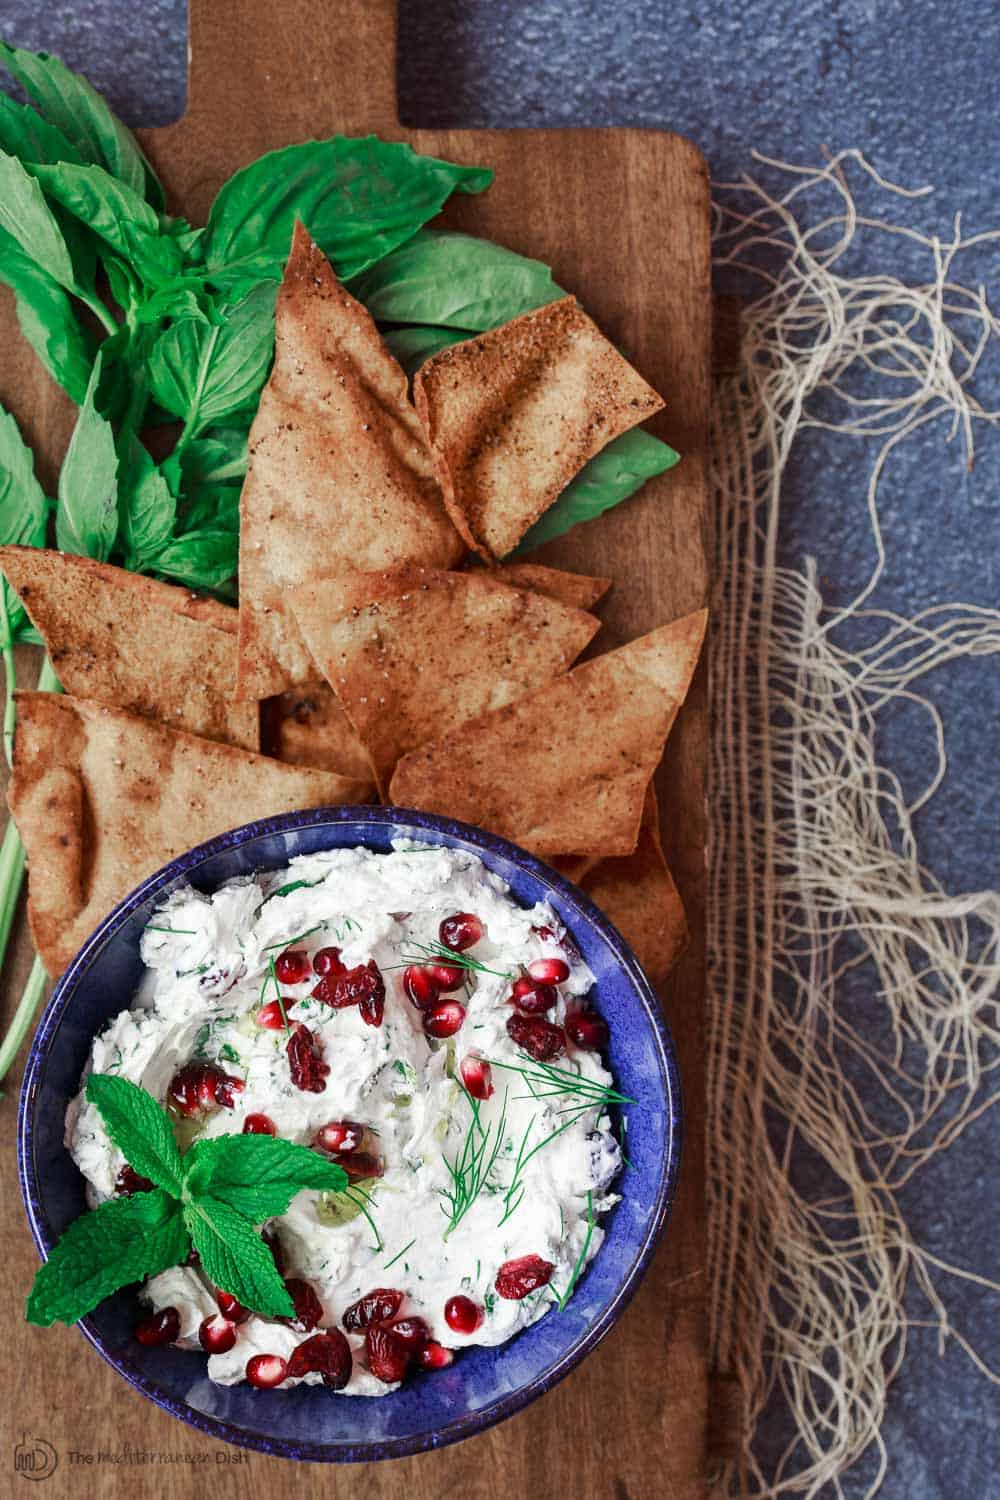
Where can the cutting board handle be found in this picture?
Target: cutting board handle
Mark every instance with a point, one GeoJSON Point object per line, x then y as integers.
{"type": "Point", "coordinates": [277, 58]}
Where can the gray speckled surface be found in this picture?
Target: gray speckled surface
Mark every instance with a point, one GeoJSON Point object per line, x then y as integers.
{"type": "Point", "coordinates": [910, 84]}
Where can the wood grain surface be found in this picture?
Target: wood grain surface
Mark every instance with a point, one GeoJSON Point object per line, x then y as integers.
{"type": "Point", "coordinates": [623, 217]}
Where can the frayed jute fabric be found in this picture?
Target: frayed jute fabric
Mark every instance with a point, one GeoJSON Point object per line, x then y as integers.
{"type": "Point", "coordinates": [817, 884]}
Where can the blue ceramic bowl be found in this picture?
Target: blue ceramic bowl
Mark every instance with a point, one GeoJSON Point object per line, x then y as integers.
{"type": "Point", "coordinates": [483, 1385]}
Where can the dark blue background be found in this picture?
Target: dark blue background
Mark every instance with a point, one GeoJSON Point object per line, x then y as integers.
{"type": "Point", "coordinates": [911, 85]}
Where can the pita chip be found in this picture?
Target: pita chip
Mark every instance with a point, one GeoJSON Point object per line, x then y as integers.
{"type": "Point", "coordinates": [564, 769]}
{"type": "Point", "coordinates": [103, 798]}
{"type": "Point", "coordinates": [638, 893]}
{"type": "Point", "coordinates": [576, 589]}
{"type": "Point", "coordinates": [512, 415]}
{"type": "Point", "coordinates": [134, 643]}
{"type": "Point", "coordinates": [412, 653]}
{"type": "Point", "coordinates": [309, 728]}
{"type": "Point", "coordinates": [340, 476]}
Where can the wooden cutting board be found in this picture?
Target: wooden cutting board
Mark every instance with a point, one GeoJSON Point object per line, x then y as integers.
{"type": "Point", "coordinates": [623, 218]}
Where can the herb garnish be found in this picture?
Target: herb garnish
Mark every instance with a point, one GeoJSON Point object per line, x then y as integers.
{"type": "Point", "coordinates": [438, 953]}
{"type": "Point", "coordinates": [471, 1168]}
{"type": "Point", "coordinates": [400, 1255]}
{"type": "Point", "coordinates": [213, 1196]}
{"type": "Point", "coordinates": [563, 1297]}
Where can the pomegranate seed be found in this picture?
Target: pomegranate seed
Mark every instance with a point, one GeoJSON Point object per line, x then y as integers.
{"type": "Point", "coordinates": [360, 1165]}
{"type": "Point", "coordinates": [545, 933]}
{"type": "Point", "coordinates": [308, 1307]}
{"type": "Point", "coordinates": [449, 976]}
{"type": "Point", "coordinates": [388, 1355]}
{"type": "Point", "coordinates": [413, 1332]}
{"type": "Point", "coordinates": [128, 1182]}
{"type": "Point", "coordinates": [540, 1039]}
{"type": "Point", "coordinates": [587, 1029]}
{"type": "Point", "coordinates": [516, 1278]}
{"type": "Point", "coordinates": [477, 1077]}
{"type": "Point", "coordinates": [532, 997]}
{"type": "Point", "coordinates": [272, 1017]}
{"type": "Point", "coordinates": [337, 1136]}
{"type": "Point", "coordinates": [460, 931]}
{"type": "Point", "coordinates": [226, 1089]}
{"type": "Point", "coordinates": [259, 1125]}
{"type": "Point", "coordinates": [185, 1090]}
{"type": "Point", "coordinates": [230, 1308]}
{"type": "Point", "coordinates": [549, 970]}
{"type": "Point", "coordinates": [217, 1335]}
{"type": "Point", "coordinates": [462, 1314]}
{"type": "Point", "coordinates": [434, 1357]}
{"type": "Point", "coordinates": [292, 966]}
{"type": "Point", "coordinates": [305, 1060]}
{"type": "Point", "coordinates": [327, 1353]}
{"type": "Point", "coordinates": [162, 1327]}
{"type": "Point", "coordinates": [444, 1019]}
{"type": "Point", "coordinates": [420, 986]}
{"type": "Point", "coordinates": [377, 1306]}
{"type": "Point", "coordinates": [265, 1371]}
{"type": "Point", "coordinates": [328, 961]}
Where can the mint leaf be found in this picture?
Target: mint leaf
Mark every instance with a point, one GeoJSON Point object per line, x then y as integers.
{"type": "Point", "coordinates": [140, 1129]}
{"type": "Point", "coordinates": [125, 1240]}
{"type": "Point", "coordinates": [610, 477]}
{"type": "Point", "coordinates": [77, 110]}
{"type": "Point", "coordinates": [234, 1256]}
{"type": "Point", "coordinates": [29, 220]}
{"type": "Point", "coordinates": [87, 510]}
{"type": "Point", "coordinates": [258, 1175]}
{"type": "Point", "coordinates": [23, 509]}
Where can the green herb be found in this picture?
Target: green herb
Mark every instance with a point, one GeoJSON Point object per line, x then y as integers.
{"type": "Point", "coordinates": [412, 346]}
{"type": "Point", "coordinates": [545, 1080]}
{"type": "Point", "coordinates": [472, 1166]}
{"type": "Point", "coordinates": [87, 512]}
{"type": "Point", "coordinates": [289, 887]}
{"type": "Point", "coordinates": [610, 477]}
{"type": "Point", "coordinates": [439, 953]}
{"type": "Point", "coordinates": [563, 1298]}
{"type": "Point", "coordinates": [399, 1256]}
{"type": "Point", "coordinates": [213, 1196]}
{"type": "Point", "coordinates": [271, 977]}
{"type": "Point", "coordinates": [290, 942]}
{"type": "Point", "coordinates": [174, 931]}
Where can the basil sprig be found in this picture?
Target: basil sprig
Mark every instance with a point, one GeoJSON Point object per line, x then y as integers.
{"type": "Point", "coordinates": [213, 1196]}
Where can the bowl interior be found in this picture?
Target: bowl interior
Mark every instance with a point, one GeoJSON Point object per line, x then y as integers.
{"type": "Point", "coordinates": [483, 1385]}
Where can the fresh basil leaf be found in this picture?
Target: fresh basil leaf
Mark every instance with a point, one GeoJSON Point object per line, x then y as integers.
{"type": "Point", "coordinates": [24, 134]}
{"type": "Point", "coordinates": [412, 346]}
{"type": "Point", "coordinates": [29, 220]}
{"type": "Point", "coordinates": [235, 1258]}
{"type": "Point", "coordinates": [185, 236]}
{"type": "Point", "coordinates": [87, 508]}
{"type": "Point", "coordinates": [147, 509]}
{"type": "Point", "coordinates": [455, 281]}
{"type": "Point", "coordinates": [124, 1240]}
{"type": "Point", "coordinates": [27, 635]}
{"type": "Point", "coordinates": [47, 319]}
{"type": "Point", "coordinates": [116, 214]}
{"type": "Point", "coordinates": [212, 507]}
{"type": "Point", "coordinates": [359, 199]}
{"type": "Point", "coordinates": [170, 302]}
{"type": "Point", "coordinates": [200, 559]}
{"type": "Point", "coordinates": [219, 456]}
{"type": "Point", "coordinates": [610, 477]}
{"type": "Point", "coordinates": [83, 117]}
{"type": "Point", "coordinates": [139, 1127]}
{"type": "Point", "coordinates": [201, 370]}
{"type": "Point", "coordinates": [23, 508]}
{"type": "Point", "coordinates": [259, 1175]}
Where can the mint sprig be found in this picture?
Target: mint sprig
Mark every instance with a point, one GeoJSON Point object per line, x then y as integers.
{"type": "Point", "coordinates": [215, 1195]}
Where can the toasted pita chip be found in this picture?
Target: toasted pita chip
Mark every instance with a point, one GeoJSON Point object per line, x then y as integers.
{"type": "Point", "coordinates": [574, 866]}
{"type": "Point", "coordinates": [564, 769]}
{"type": "Point", "coordinates": [340, 476]}
{"type": "Point", "coordinates": [514, 414]}
{"type": "Point", "coordinates": [412, 653]}
{"type": "Point", "coordinates": [576, 589]}
{"type": "Point", "coordinates": [309, 728]}
{"type": "Point", "coordinates": [638, 893]}
{"type": "Point", "coordinates": [136, 644]}
{"type": "Point", "coordinates": [102, 798]}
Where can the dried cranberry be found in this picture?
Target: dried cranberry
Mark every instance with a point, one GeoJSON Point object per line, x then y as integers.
{"type": "Point", "coordinates": [372, 1004]}
{"type": "Point", "coordinates": [516, 1278]}
{"type": "Point", "coordinates": [388, 1355]}
{"type": "Point", "coordinates": [540, 1039]}
{"type": "Point", "coordinates": [460, 931]}
{"type": "Point", "coordinates": [379, 1305]}
{"type": "Point", "coordinates": [292, 966]}
{"type": "Point", "coordinates": [308, 1307]}
{"type": "Point", "coordinates": [162, 1327]}
{"type": "Point", "coordinates": [305, 1060]}
{"type": "Point", "coordinates": [328, 1354]}
{"type": "Point", "coordinates": [362, 986]}
{"type": "Point", "coordinates": [586, 1028]}
{"type": "Point", "coordinates": [128, 1182]}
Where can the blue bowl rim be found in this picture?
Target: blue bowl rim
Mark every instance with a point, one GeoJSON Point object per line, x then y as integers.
{"type": "Point", "coordinates": [486, 844]}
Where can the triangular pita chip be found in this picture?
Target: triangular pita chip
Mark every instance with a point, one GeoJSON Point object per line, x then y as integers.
{"type": "Point", "coordinates": [577, 589]}
{"type": "Point", "coordinates": [340, 475]}
{"type": "Point", "coordinates": [412, 653]}
{"type": "Point", "coordinates": [135, 643]}
{"type": "Point", "coordinates": [638, 893]}
{"type": "Point", "coordinates": [564, 769]}
{"type": "Point", "coordinates": [514, 414]}
{"type": "Point", "coordinates": [103, 798]}
{"type": "Point", "coordinates": [307, 727]}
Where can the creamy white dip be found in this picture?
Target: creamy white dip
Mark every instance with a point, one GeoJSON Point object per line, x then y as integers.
{"type": "Point", "coordinates": [208, 973]}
